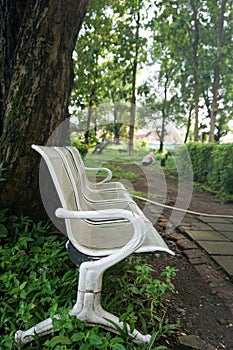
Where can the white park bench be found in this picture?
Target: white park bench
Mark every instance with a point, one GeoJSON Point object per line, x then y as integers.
{"type": "Point", "coordinates": [104, 226]}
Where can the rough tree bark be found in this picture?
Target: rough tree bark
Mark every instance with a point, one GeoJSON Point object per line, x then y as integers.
{"type": "Point", "coordinates": [37, 39]}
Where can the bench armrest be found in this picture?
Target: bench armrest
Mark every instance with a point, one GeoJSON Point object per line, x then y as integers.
{"type": "Point", "coordinates": [90, 269]}
{"type": "Point", "coordinates": [107, 178]}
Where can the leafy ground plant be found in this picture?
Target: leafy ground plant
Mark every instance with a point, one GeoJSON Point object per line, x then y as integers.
{"type": "Point", "coordinates": [39, 281]}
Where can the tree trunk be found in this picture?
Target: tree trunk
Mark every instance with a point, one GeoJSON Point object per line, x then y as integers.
{"type": "Point", "coordinates": [35, 94]}
{"type": "Point", "coordinates": [117, 126]}
{"type": "Point", "coordinates": [10, 20]}
{"type": "Point", "coordinates": [164, 110]}
{"type": "Point", "coordinates": [196, 68]}
{"type": "Point", "coordinates": [131, 126]}
{"type": "Point", "coordinates": [188, 124]}
{"type": "Point", "coordinates": [162, 131]}
{"type": "Point", "coordinates": [133, 96]}
{"type": "Point", "coordinates": [217, 70]}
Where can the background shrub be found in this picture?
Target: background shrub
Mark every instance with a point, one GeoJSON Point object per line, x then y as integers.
{"type": "Point", "coordinates": [200, 155]}
{"type": "Point", "coordinates": [212, 164]}
{"type": "Point", "coordinates": [220, 176]}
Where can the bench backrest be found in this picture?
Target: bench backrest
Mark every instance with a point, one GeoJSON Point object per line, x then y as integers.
{"type": "Point", "coordinates": [76, 168]}
{"type": "Point", "coordinates": [76, 175]}
{"type": "Point", "coordinates": [59, 176]}
{"type": "Point", "coordinates": [78, 164]}
{"type": "Point", "coordinates": [92, 234]}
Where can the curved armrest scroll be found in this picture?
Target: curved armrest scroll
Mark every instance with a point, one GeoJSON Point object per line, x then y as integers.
{"type": "Point", "coordinates": [107, 178]}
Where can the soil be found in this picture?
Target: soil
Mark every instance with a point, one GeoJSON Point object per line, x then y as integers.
{"type": "Point", "coordinates": [199, 301]}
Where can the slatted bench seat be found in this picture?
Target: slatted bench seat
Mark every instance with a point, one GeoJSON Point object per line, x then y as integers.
{"type": "Point", "coordinates": [101, 232]}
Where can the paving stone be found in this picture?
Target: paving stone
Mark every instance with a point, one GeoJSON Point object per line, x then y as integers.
{"type": "Point", "coordinates": [175, 236]}
{"type": "Point", "coordinates": [186, 244]}
{"type": "Point", "coordinates": [217, 248]}
{"type": "Point", "coordinates": [196, 226]}
{"type": "Point", "coordinates": [229, 235]}
{"type": "Point", "coordinates": [194, 342]}
{"type": "Point", "coordinates": [199, 260]}
{"type": "Point", "coordinates": [199, 235]}
{"type": "Point", "coordinates": [209, 219]}
{"type": "Point", "coordinates": [226, 262]}
{"type": "Point", "coordinates": [192, 253]}
{"type": "Point", "coordinates": [189, 221]}
{"type": "Point", "coordinates": [214, 235]}
{"type": "Point", "coordinates": [222, 226]}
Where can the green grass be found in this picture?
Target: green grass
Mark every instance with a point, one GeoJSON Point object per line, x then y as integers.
{"type": "Point", "coordinates": [114, 155]}
{"type": "Point", "coordinates": [118, 172]}
{"type": "Point", "coordinates": [111, 158]}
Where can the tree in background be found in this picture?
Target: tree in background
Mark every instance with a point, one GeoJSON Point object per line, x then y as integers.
{"type": "Point", "coordinates": [217, 69]}
{"type": "Point", "coordinates": [185, 33]}
{"type": "Point", "coordinates": [90, 57]}
{"type": "Point", "coordinates": [37, 39]}
{"type": "Point", "coordinates": [109, 64]}
{"type": "Point", "coordinates": [182, 33]}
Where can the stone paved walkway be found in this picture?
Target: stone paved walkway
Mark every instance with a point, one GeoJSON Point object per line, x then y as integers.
{"type": "Point", "coordinates": [215, 236]}
{"type": "Point", "coordinates": [207, 243]}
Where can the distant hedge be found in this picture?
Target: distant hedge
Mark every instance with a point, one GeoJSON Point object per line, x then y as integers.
{"type": "Point", "coordinates": [212, 164]}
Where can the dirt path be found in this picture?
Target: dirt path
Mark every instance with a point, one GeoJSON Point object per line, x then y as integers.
{"type": "Point", "coordinates": [199, 303]}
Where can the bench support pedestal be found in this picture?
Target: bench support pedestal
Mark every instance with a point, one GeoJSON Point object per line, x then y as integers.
{"type": "Point", "coordinates": [86, 309]}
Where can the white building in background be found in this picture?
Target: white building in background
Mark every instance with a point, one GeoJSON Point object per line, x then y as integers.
{"type": "Point", "coordinates": [172, 137]}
